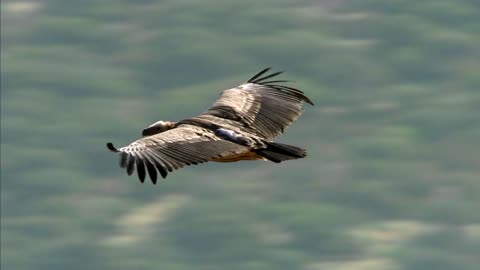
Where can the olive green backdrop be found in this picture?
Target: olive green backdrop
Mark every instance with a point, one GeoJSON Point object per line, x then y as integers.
{"type": "Point", "coordinates": [392, 180]}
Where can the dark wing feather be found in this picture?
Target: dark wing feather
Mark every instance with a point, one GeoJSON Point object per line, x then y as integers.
{"type": "Point", "coordinates": [152, 172]}
{"type": "Point", "coordinates": [262, 106]}
{"type": "Point", "coordinates": [174, 149]}
{"type": "Point", "coordinates": [263, 71]}
{"type": "Point", "coordinates": [140, 169]}
{"type": "Point", "coordinates": [130, 165]}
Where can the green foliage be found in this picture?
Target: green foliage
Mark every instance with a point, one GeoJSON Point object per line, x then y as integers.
{"type": "Point", "coordinates": [392, 176]}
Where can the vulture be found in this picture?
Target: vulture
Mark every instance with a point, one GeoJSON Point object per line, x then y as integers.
{"type": "Point", "coordinates": [240, 125]}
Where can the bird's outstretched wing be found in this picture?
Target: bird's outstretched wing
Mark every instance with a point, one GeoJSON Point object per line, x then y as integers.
{"type": "Point", "coordinates": [173, 149]}
{"type": "Point", "coordinates": [260, 104]}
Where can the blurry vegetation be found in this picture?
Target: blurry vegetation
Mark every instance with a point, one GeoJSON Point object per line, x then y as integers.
{"type": "Point", "coordinates": [392, 180]}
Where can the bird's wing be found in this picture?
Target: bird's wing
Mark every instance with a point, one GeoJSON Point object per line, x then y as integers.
{"type": "Point", "coordinates": [173, 149]}
{"type": "Point", "coordinates": [260, 104]}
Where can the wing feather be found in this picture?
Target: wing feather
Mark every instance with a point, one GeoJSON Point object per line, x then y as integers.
{"type": "Point", "coordinates": [152, 172]}
{"type": "Point", "coordinates": [124, 159]}
{"type": "Point", "coordinates": [259, 74]}
{"type": "Point", "coordinates": [266, 77]}
{"type": "Point", "coordinates": [160, 168]}
{"type": "Point", "coordinates": [130, 165]}
{"type": "Point", "coordinates": [140, 168]}
{"type": "Point", "coordinates": [163, 162]}
{"type": "Point", "coordinates": [262, 106]}
{"type": "Point", "coordinates": [174, 149]}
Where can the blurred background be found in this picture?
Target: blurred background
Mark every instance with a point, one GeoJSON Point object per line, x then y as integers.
{"type": "Point", "coordinates": [392, 180]}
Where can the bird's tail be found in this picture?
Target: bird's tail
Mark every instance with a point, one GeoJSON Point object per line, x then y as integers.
{"type": "Point", "coordinates": [278, 152]}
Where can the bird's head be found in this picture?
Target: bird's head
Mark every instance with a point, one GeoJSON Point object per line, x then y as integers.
{"type": "Point", "coordinates": [158, 127]}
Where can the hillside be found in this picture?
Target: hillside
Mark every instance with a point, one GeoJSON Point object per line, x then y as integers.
{"type": "Point", "coordinates": [392, 177]}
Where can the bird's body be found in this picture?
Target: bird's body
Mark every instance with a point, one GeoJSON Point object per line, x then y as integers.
{"type": "Point", "coordinates": [239, 126]}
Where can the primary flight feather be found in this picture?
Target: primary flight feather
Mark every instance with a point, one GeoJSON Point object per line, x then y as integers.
{"type": "Point", "coordinates": [240, 125]}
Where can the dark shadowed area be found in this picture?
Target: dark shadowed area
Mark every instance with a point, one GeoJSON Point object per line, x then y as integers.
{"type": "Point", "coordinates": [392, 176]}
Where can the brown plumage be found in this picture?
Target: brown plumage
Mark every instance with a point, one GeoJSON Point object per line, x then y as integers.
{"type": "Point", "coordinates": [239, 126]}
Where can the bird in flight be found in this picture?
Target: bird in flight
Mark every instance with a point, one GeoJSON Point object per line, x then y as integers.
{"type": "Point", "coordinates": [240, 125]}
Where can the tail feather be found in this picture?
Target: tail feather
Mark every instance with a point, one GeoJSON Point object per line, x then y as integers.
{"type": "Point", "coordinates": [278, 152]}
